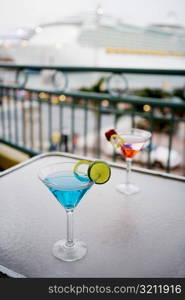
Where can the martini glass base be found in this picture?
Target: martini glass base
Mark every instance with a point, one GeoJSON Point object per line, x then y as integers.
{"type": "Point", "coordinates": [69, 253]}
{"type": "Point", "coordinates": [127, 189]}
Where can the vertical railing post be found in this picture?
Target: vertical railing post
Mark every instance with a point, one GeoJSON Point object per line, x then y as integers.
{"type": "Point", "coordinates": [151, 116]}
{"type": "Point", "coordinates": [2, 112]}
{"type": "Point", "coordinates": [24, 125]}
{"type": "Point", "coordinates": [8, 99]}
{"type": "Point", "coordinates": [171, 132]}
{"type": "Point", "coordinates": [15, 116]}
{"type": "Point", "coordinates": [72, 124]}
{"type": "Point", "coordinates": [61, 122]}
{"type": "Point", "coordinates": [31, 120]}
{"type": "Point", "coordinates": [114, 155]}
{"type": "Point", "coordinates": [98, 151]}
{"type": "Point", "coordinates": [85, 126]}
{"type": "Point", "coordinates": [49, 121]}
{"type": "Point", "coordinates": [40, 123]}
{"type": "Point", "coordinates": [133, 116]}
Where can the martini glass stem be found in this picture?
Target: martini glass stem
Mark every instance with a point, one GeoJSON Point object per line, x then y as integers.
{"type": "Point", "coordinates": [128, 170]}
{"type": "Point", "coordinates": [70, 241]}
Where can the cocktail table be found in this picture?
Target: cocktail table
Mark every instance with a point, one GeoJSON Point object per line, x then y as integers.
{"type": "Point", "coordinates": [142, 235]}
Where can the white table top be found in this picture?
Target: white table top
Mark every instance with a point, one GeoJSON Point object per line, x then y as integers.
{"type": "Point", "coordinates": [137, 236]}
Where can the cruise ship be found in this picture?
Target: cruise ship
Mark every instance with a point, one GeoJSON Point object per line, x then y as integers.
{"type": "Point", "coordinates": [96, 39]}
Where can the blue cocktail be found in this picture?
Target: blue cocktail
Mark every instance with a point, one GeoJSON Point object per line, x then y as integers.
{"type": "Point", "coordinates": [69, 182]}
{"type": "Point", "coordinates": [68, 187]}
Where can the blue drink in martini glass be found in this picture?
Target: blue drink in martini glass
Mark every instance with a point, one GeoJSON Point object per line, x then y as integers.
{"type": "Point", "coordinates": [68, 187]}
{"type": "Point", "coordinates": [69, 182]}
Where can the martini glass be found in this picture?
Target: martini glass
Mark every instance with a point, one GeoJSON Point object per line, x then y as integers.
{"type": "Point", "coordinates": [134, 140]}
{"type": "Point", "coordinates": [68, 188]}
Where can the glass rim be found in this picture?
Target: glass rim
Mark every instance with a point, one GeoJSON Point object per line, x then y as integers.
{"type": "Point", "coordinates": [42, 177]}
{"type": "Point", "coordinates": [135, 129]}
{"type": "Point", "coordinates": [51, 165]}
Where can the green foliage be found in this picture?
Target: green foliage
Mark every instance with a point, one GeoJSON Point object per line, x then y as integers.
{"type": "Point", "coordinates": [152, 93]}
{"type": "Point", "coordinates": [98, 87]}
{"type": "Point", "coordinates": [157, 93]}
{"type": "Point", "coordinates": [179, 93]}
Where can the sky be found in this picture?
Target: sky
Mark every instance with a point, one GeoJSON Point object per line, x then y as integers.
{"type": "Point", "coordinates": [18, 13]}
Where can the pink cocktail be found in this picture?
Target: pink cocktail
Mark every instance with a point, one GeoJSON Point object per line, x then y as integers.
{"type": "Point", "coordinates": [129, 143]}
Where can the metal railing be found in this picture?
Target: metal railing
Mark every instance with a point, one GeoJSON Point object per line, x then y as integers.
{"type": "Point", "coordinates": [37, 119]}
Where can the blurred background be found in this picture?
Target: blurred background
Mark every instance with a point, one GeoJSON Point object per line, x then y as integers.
{"type": "Point", "coordinates": [70, 70]}
{"type": "Point", "coordinates": [91, 32]}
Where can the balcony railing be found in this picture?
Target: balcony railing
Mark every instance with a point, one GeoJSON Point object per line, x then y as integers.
{"type": "Point", "coordinates": [51, 115]}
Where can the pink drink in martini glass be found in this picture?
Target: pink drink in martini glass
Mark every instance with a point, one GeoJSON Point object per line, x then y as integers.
{"type": "Point", "coordinates": [129, 143]}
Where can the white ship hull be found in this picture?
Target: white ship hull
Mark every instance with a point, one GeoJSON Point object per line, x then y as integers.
{"type": "Point", "coordinates": [96, 40]}
{"type": "Point", "coordinates": [75, 55]}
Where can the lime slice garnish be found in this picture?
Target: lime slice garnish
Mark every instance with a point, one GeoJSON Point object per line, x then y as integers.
{"type": "Point", "coordinates": [117, 140]}
{"type": "Point", "coordinates": [81, 167]}
{"type": "Point", "coordinates": [99, 172]}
